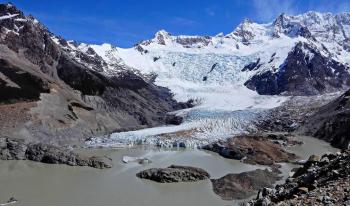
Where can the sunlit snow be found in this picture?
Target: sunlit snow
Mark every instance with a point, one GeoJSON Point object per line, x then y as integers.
{"type": "Point", "coordinates": [185, 65]}
{"type": "Point", "coordinates": [225, 106]}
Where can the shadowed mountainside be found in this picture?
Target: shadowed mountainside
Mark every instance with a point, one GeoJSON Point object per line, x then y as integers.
{"type": "Point", "coordinates": [53, 93]}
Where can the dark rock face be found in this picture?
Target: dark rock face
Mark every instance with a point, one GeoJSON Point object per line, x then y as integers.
{"type": "Point", "coordinates": [331, 122]}
{"type": "Point", "coordinates": [243, 185]}
{"type": "Point", "coordinates": [15, 149]}
{"type": "Point", "coordinates": [184, 105]}
{"type": "Point", "coordinates": [254, 150]}
{"type": "Point", "coordinates": [305, 72]}
{"type": "Point", "coordinates": [318, 175]}
{"type": "Point", "coordinates": [190, 41]}
{"type": "Point", "coordinates": [173, 119]}
{"type": "Point", "coordinates": [32, 36]}
{"type": "Point", "coordinates": [174, 173]}
{"type": "Point", "coordinates": [17, 85]}
{"type": "Point", "coordinates": [79, 78]}
{"type": "Point", "coordinates": [226, 151]}
{"type": "Point", "coordinates": [252, 66]}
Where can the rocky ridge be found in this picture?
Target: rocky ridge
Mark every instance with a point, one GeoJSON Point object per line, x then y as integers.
{"type": "Point", "coordinates": [305, 71]}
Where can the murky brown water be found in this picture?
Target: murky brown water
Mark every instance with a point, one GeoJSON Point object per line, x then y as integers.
{"type": "Point", "coordinates": [35, 184]}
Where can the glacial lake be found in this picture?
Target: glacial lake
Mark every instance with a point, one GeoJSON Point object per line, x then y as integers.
{"type": "Point", "coordinates": [36, 184]}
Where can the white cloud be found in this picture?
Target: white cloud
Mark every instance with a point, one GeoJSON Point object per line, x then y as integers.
{"type": "Point", "coordinates": [331, 6]}
{"type": "Point", "coordinates": [266, 10]}
{"type": "Point", "coordinates": [180, 21]}
{"type": "Point", "coordinates": [210, 11]}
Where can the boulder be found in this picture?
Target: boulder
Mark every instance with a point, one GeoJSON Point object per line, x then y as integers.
{"type": "Point", "coordinates": [314, 158]}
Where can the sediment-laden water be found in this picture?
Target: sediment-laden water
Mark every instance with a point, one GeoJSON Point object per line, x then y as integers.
{"type": "Point", "coordinates": [36, 184]}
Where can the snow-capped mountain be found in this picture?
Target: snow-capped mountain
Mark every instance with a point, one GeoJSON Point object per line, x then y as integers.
{"type": "Point", "coordinates": [304, 54]}
{"type": "Point", "coordinates": [293, 55]}
{"type": "Point", "coordinates": [226, 72]}
{"type": "Point", "coordinates": [100, 88]}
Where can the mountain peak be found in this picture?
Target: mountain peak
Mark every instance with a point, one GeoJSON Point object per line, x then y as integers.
{"type": "Point", "coordinates": [245, 31]}
{"type": "Point", "coordinates": [221, 34]}
{"type": "Point", "coordinates": [246, 21]}
{"type": "Point", "coordinates": [161, 37]}
{"type": "Point", "coordinates": [6, 9]}
{"type": "Point", "coordinates": [162, 34]}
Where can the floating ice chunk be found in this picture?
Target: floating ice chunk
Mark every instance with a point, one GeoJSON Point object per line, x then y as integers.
{"type": "Point", "coordinates": [140, 160]}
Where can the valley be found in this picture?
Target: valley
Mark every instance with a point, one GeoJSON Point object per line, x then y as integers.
{"type": "Point", "coordinates": [236, 107]}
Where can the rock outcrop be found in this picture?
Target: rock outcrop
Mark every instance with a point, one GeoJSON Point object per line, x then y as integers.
{"type": "Point", "coordinates": [173, 174]}
{"type": "Point", "coordinates": [320, 181]}
{"type": "Point", "coordinates": [331, 122]}
{"type": "Point", "coordinates": [292, 114]}
{"type": "Point", "coordinates": [243, 185]}
{"type": "Point", "coordinates": [252, 149]}
{"type": "Point", "coordinates": [16, 149]}
{"type": "Point", "coordinates": [306, 71]}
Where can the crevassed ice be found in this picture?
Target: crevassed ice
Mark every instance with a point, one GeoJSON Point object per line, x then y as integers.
{"type": "Point", "coordinates": [226, 106]}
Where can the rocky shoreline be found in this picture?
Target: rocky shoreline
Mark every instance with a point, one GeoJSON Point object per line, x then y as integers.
{"type": "Point", "coordinates": [321, 181]}
{"type": "Point", "coordinates": [17, 149]}
{"type": "Point", "coordinates": [264, 149]}
{"type": "Point", "coordinates": [255, 149]}
{"type": "Point", "coordinates": [243, 185]}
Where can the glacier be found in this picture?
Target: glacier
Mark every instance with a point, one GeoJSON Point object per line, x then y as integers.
{"type": "Point", "coordinates": [225, 107]}
{"type": "Point", "coordinates": [209, 71]}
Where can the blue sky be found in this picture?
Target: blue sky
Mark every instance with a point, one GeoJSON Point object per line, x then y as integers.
{"type": "Point", "coordinates": [126, 22]}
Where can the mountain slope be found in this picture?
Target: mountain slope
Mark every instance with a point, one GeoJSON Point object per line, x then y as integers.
{"type": "Point", "coordinates": [52, 92]}
{"type": "Point", "coordinates": [81, 90]}
{"type": "Point", "coordinates": [331, 122]}
{"type": "Point", "coordinates": [295, 55]}
{"type": "Point", "coordinates": [305, 71]}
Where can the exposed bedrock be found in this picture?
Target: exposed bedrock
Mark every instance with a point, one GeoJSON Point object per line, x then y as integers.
{"type": "Point", "coordinates": [17, 85]}
{"type": "Point", "coordinates": [16, 149]}
{"type": "Point", "coordinates": [174, 173]}
{"type": "Point", "coordinates": [331, 122]}
{"type": "Point", "coordinates": [253, 149]}
{"type": "Point", "coordinates": [243, 185]}
{"type": "Point", "coordinates": [306, 71]}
